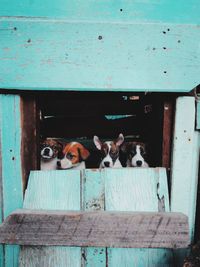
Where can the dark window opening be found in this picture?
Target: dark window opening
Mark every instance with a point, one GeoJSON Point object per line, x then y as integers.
{"type": "Point", "coordinates": [78, 116]}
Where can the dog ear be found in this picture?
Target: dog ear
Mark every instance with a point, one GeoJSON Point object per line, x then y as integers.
{"type": "Point", "coordinates": [119, 140]}
{"type": "Point", "coordinates": [83, 152]}
{"type": "Point", "coordinates": [59, 146]}
{"type": "Point", "coordinates": [97, 142]}
{"type": "Point", "coordinates": [125, 147]}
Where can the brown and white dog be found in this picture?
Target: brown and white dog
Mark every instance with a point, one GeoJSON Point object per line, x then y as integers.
{"type": "Point", "coordinates": [135, 154]}
{"type": "Point", "coordinates": [109, 151]}
{"type": "Point", "coordinates": [73, 156]}
{"type": "Point", "coordinates": [49, 150]}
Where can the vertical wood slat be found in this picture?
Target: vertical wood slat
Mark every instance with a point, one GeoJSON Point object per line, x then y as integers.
{"type": "Point", "coordinates": [137, 191]}
{"type": "Point", "coordinates": [185, 160]}
{"type": "Point", "coordinates": [52, 190]}
{"type": "Point", "coordinates": [184, 176]}
{"type": "Point", "coordinates": [167, 133]}
{"type": "Point", "coordinates": [93, 197]}
{"type": "Point", "coordinates": [30, 136]}
{"type": "Point", "coordinates": [10, 171]}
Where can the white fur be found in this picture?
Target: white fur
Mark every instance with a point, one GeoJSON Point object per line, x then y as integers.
{"type": "Point", "coordinates": [117, 163]}
{"type": "Point", "coordinates": [49, 155]}
{"type": "Point", "coordinates": [138, 156]}
{"type": "Point", "coordinates": [67, 164]}
{"type": "Point", "coordinates": [47, 165]}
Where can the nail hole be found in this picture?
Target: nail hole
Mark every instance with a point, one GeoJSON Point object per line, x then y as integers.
{"type": "Point", "coordinates": [179, 41]}
{"type": "Point", "coordinates": [13, 158]}
{"type": "Point", "coordinates": [29, 41]}
{"type": "Point", "coordinates": [100, 37]}
{"type": "Point", "coordinates": [164, 48]}
{"type": "Point", "coordinates": [15, 28]}
{"type": "Point", "coordinates": [154, 48]}
{"type": "Point", "coordinates": [164, 32]}
{"type": "Point", "coordinates": [121, 9]}
{"type": "Point", "coordinates": [168, 29]}
{"type": "Point", "coordinates": [10, 150]}
{"type": "Point", "coordinates": [165, 71]}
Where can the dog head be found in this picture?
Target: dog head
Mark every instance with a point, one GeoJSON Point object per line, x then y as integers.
{"type": "Point", "coordinates": [109, 150]}
{"type": "Point", "coordinates": [136, 154]}
{"type": "Point", "coordinates": [72, 155]}
{"type": "Point", "coordinates": [49, 149]}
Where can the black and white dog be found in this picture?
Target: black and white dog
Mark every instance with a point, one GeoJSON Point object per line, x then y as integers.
{"type": "Point", "coordinates": [135, 154]}
{"type": "Point", "coordinates": [109, 151]}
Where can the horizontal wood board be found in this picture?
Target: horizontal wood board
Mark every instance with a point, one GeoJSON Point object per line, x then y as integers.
{"type": "Point", "coordinates": [102, 229]}
{"type": "Point", "coordinates": [40, 54]}
{"type": "Point", "coordinates": [179, 11]}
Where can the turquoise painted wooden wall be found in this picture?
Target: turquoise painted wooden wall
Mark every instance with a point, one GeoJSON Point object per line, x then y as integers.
{"type": "Point", "coordinates": [10, 168]}
{"type": "Point", "coordinates": [119, 189]}
{"type": "Point", "coordinates": [100, 45]}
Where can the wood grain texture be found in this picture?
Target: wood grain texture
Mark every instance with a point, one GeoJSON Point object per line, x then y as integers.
{"type": "Point", "coordinates": [93, 198]}
{"type": "Point", "coordinates": [115, 55]}
{"type": "Point", "coordinates": [52, 190]}
{"type": "Point", "coordinates": [168, 120]}
{"type": "Point", "coordinates": [185, 160]}
{"type": "Point", "coordinates": [107, 10]}
{"type": "Point", "coordinates": [137, 189]}
{"type": "Point", "coordinates": [10, 171]}
{"type": "Point", "coordinates": [96, 228]}
{"type": "Point", "coordinates": [30, 136]}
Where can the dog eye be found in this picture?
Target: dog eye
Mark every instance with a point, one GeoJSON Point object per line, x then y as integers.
{"type": "Point", "coordinates": [70, 156]}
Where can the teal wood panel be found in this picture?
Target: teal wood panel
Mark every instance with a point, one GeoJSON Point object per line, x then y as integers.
{"type": "Point", "coordinates": [93, 199]}
{"type": "Point", "coordinates": [178, 11]}
{"type": "Point", "coordinates": [137, 189]}
{"type": "Point", "coordinates": [10, 170]}
{"type": "Point", "coordinates": [185, 160]}
{"type": "Point", "coordinates": [52, 190]}
{"type": "Point", "coordinates": [39, 54]}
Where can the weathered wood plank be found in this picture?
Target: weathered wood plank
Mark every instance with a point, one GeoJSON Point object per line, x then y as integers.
{"type": "Point", "coordinates": [30, 136]}
{"type": "Point", "coordinates": [184, 175]}
{"type": "Point", "coordinates": [55, 51]}
{"type": "Point", "coordinates": [168, 113]}
{"type": "Point", "coordinates": [11, 193]}
{"type": "Point", "coordinates": [137, 190]}
{"type": "Point", "coordinates": [96, 228]}
{"type": "Point", "coordinates": [185, 160]}
{"type": "Point", "coordinates": [107, 10]}
{"type": "Point", "coordinates": [52, 190]}
{"type": "Point", "coordinates": [93, 186]}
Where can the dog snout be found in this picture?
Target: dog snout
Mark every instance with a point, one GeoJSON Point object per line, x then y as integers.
{"type": "Point", "coordinates": [58, 164]}
{"type": "Point", "coordinates": [107, 164]}
{"type": "Point", "coordinates": [139, 163]}
{"type": "Point", "coordinates": [46, 151]}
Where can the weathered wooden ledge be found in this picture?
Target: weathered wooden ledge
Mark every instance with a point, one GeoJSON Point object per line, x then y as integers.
{"type": "Point", "coordinates": [96, 228]}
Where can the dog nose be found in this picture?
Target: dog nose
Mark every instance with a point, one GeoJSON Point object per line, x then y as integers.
{"type": "Point", "coordinates": [107, 164]}
{"type": "Point", "coordinates": [139, 163]}
{"type": "Point", "coordinates": [58, 163]}
{"type": "Point", "coordinates": [46, 151]}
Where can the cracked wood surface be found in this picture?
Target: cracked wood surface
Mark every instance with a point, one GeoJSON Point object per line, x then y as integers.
{"type": "Point", "coordinates": [96, 228]}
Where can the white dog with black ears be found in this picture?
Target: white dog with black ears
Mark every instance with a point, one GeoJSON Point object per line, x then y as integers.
{"type": "Point", "coordinates": [110, 152]}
